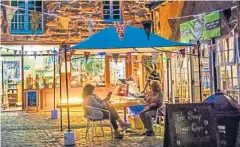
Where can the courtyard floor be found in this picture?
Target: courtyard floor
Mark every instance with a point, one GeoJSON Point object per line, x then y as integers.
{"type": "Point", "coordinates": [23, 129]}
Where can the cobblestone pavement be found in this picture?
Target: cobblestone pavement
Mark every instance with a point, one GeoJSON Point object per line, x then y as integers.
{"type": "Point", "coordinates": [23, 129]}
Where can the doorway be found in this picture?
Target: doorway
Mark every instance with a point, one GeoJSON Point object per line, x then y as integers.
{"type": "Point", "coordinates": [11, 83]}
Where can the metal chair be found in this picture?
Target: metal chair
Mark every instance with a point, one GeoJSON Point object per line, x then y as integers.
{"type": "Point", "coordinates": [91, 120]}
{"type": "Point", "coordinates": [160, 116]}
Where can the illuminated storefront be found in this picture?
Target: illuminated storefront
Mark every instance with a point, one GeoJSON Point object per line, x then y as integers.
{"type": "Point", "coordinates": [228, 67]}
{"type": "Point", "coordinates": [33, 71]}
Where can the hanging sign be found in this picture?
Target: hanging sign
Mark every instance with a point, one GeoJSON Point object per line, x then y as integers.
{"type": "Point", "coordinates": [64, 21]}
{"type": "Point", "coordinates": [15, 52]}
{"type": "Point", "coordinates": [120, 28]}
{"type": "Point", "coordinates": [147, 25]}
{"type": "Point", "coordinates": [86, 54]}
{"type": "Point", "coordinates": [155, 56]}
{"type": "Point", "coordinates": [35, 55]}
{"type": "Point", "coordinates": [227, 13]}
{"type": "Point", "coordinates": [102, 54]}
{"type": "Point", "coordinates": [48, 52]}
{"type": "Point", "coordinates": [172, 22]}
{"type": "Point", "coordinates": [192, 30]}
{"type": "Point", "coordinates": [72, 52]}
{"type": "Point", "coordinates": [115, 57]}
{"type": "Point", "coordinates": [183, 52]}
{"type": "Point", "coordinates": [91, 25]}
{"type": "Point", "coordinates": [35, 20]}
{"type": "Point", "coordinates": [169, 55]}
{"type": "Point", "coordinates": [10, 13]}
{"type": "Point", "coordinates": [190, 125]}
{"type": "Point", "coordinates": [31, 100]}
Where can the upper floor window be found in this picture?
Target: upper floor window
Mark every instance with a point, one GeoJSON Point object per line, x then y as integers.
{"type": "Point", "coordinates": [112, 10]}
{"type": "Point", "coordinates": [21, 22]}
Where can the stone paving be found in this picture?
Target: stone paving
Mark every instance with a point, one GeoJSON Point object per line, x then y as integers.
{"type": "Point", "coordinates": [21, 129]}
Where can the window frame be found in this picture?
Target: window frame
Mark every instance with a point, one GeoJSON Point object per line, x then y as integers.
{"type": "Point", "coordinates": [221, 54]}
{"type": "Point", "coordinates": [111, 19]}
{"type": "Point", "coordinates": [26, 20]}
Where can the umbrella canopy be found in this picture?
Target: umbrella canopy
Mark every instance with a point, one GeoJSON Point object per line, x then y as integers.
{"type": "Point", "coordinates": [134, 39]}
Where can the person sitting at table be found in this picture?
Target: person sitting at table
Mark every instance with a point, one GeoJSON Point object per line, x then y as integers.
{"type": "Point", "coordinates": [153, 101]}
{"type": "Point", "coordinates": [91, 99]}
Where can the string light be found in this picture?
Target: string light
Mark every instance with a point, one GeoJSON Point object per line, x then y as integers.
{"type": "Point", "coordinates": [202, 13]}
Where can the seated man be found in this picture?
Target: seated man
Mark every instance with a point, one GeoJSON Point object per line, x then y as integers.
{"type": "Point", "coordinates": [91, 99]}
{"type": "Point", "coordinates": [153, 101]}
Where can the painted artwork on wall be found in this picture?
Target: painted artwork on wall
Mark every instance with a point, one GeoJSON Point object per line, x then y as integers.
{"type": "Point", "coordinates": [11, 70]}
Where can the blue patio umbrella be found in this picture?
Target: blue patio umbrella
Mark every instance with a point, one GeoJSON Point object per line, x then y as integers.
{"type": "Point", "coordinates": [134, 38]}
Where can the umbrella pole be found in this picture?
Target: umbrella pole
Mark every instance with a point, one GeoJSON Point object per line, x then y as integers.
{"type": "Point", "coordinates": [54, 112]}
{"type": "Point", "coordinates": [199, 71]}
{"type": "Point", "coordinates": [69, 138]}
{"type": "Point", "coordinates": [60, 91]}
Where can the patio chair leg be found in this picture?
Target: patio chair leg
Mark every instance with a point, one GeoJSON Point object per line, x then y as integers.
{"type": "Point", "coordinates": [102, 128]}
{"type": "Point", "coordinates": [160, 124]}
{"type": "Point", "coordinates": [92, 130]}
{"type": "Point", "coordinates": [87, 128]}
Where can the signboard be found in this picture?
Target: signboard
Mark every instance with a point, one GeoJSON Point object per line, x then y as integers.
{"type": "Point", "coordinates": [190, 125]}
{"type": "Point", "coordinates": [206, 29]}
{"type": "Point", "coordinates": [31, 99]}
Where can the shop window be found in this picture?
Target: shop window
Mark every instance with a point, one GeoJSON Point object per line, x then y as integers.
{"type": "Point", "coordinates": [205, 71]}
{"type": "Point", "coordinates": [117, 71]}
{"type": "Point", "coordinates": [39, 72]}
{"type": "Point", "coordinates": [229, 80]}
{"type": "Point", "coordinates": [112, 10]}
{"type": "Point", "coordinates": [90, 72]}
{"type": "Point", "coordinates": [21, 22]}
{"type": "Point", "coordinates": [225, 52]}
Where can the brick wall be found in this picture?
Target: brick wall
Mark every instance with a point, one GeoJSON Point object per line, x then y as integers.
{"type": "Point", "coordinates": [134, 11]}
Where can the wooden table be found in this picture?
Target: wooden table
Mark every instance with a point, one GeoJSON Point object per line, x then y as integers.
{"type": "Point", "coordinates": [117, 102]}
{"type": "Point", "coordinates": [126, 102]}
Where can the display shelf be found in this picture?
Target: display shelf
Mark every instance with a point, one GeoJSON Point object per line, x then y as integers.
{"type": "Point", "coordinates": [12, 92]}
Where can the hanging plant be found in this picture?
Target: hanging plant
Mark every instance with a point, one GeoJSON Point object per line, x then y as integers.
{"type": "Point", "coordinates": [35, 20]}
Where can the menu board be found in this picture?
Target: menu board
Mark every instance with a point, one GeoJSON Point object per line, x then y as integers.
{"type": "Point", "coordinates": [32, 98]}
{"type": "Point", "coordinates": [190, 125]}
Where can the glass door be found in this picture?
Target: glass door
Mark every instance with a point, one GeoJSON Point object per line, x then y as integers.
{"type": "Point", "coordinates": [180, 79]}
{"type": "Point", "coordinates": [117, 70]}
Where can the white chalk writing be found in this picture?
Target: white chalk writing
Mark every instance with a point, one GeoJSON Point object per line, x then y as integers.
{"type": "Point", "coordinates": [179, 116]}
{"type": "Point", "coordinates": [182, 130]}
{"type": "Point", "coordinates": [196, 128]}
{"type": "Point", "coordinates": [191, 116]}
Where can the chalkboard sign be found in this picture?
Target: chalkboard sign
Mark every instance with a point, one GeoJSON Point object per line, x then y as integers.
{"type": "Point", "coordinates": [31, 98]}
{"type": "Point", "coordinates": [190, 125]}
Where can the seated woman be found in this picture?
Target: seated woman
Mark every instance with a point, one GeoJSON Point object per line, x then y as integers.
{"type": "Point", "coordinates": [91, 99]}
{"type": "Point", "coordinates": [153, 101]}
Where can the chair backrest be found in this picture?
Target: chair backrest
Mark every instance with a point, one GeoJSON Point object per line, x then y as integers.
{"type": "Point", "coordinates": [162, 110]}
{"type": "Point", "coordinates": [93, 113]}
{"type": "Point", "coordinates": [86, 111]}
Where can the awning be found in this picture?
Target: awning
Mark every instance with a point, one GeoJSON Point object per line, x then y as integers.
{"type": "Point", "coordinates": [135, 39]}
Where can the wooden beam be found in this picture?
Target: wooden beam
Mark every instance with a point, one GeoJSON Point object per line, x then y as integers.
{"type": "Point", "coordinates": [107, 71]}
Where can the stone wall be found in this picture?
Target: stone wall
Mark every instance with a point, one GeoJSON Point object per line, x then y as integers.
{"type": "Point", "coordinates": [78, 11]}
